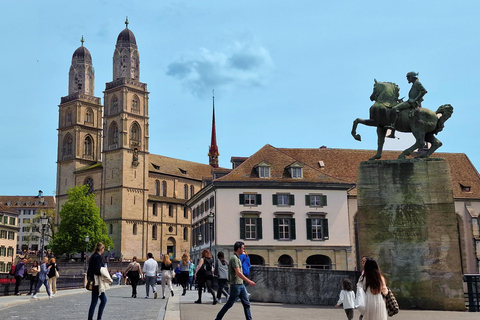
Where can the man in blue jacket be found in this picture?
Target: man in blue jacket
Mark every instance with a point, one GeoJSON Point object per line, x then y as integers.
{"type": "Point", "coordinates": [19, 273]}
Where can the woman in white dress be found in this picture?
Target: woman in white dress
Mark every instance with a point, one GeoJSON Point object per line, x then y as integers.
{"type": "Point", "coordinates": [375, 287]}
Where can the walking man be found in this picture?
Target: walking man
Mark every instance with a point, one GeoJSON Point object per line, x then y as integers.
{"type": "Point", "coordinates": [150, 269]}
{"type": "Point", "coordinates": [19, 273]}
{"type": "Point", "coordinates": [237, 288]}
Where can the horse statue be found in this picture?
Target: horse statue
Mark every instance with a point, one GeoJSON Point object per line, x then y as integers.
{"type": "Point", "coordinates": [421, 122]}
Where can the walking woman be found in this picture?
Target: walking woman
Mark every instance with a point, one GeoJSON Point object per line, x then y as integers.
{"type": "Point", "coordinates": [95, 265]}
{"type": "Point", "coordinates": [33, 273]}
{"type": "Point", "coordinates": [167, 269]}
{"type": "Point", "coordinates": [221, 271]}
{"type": "Point", "coordinates": [134, 273]}
{"type": "Point", "coordinates": [184, 271]}
{"type": "Point", "coordinates": [204, 275]}
{"type": "Point", "coordinates": [374, 285]}
{"type": "Point", "coordinates": [42, 279]}
{"type": "Point", "coordinates": [52, 276]}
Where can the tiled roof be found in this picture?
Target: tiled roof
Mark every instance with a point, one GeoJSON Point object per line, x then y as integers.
{"type": "Point", "coordinates": [4, 208]}
{"type": "Point", "coordinates": [278, 160]}
{"type": "Point", "coordinates": [27, 201]}
{"type": "Point", "coordinates": [179, 168]}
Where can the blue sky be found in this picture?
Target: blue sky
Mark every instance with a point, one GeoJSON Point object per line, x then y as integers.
{"type": "Point", "coordinates": [286, 73]}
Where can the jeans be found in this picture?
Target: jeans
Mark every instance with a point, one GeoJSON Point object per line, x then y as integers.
{"type": "Point", "coordinates": [93, 303]}
{"type": "Point", "coordinates": [39, 285]}
{"type": "Point", "coordinates": [236, 291]}
{"type": "Point", "coordinates": [221, 288]}
{"type": "Point", "coordinates": [150, 281]}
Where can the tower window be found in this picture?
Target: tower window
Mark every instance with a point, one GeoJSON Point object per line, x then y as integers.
{"type": "Point", "coordinates": [113, 134]}
{"type": "Point", "coordinates": [114, 108]}
{"type": "Point", "coordinates": [67, 146]}
{"type": "Point", "coordinates": [68, 116]}
{"type": "Point", "coordinates": [170, 210]}
{"type": "Point", "coordinates": [164, 188]}
{"type": "Point", "coordinates": [88, 146]}
{"type": "Point", "coordinates": [89, 116]}
{"type": "Point", "coordinates": [135, 105]}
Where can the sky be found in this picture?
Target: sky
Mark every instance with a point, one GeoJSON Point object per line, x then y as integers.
{"type": "Point", "coordinates": [293, 74]}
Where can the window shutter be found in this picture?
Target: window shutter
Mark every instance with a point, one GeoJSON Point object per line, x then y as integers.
{"type": "Point", "coordinates": [259, 199]}
{"type": "Point", "coordinates": [309, 229]}
{"type": "Point", "coordinates": [259, 228]}
{"type": "Point", "coordinates": [324, 200]}
{"type": "Point", "coordinates": [291, 199]}
{"type": "Point", "coordinates": [275, 200]}
{"type": "Point", "coordinates": [325, 229]}
{"type": "Point", "coordinates": [242, 228]}
{"type": "Point", "coordinates": [293, 234]}
{"type": "Point", "coordinates": [307, 200]}
{"type": "Point", "coordinates": [275, 228]}
{"type": "Point", "coordinates": [241, 197]}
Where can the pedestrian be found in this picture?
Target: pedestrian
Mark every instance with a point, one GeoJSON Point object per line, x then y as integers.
{"type": "Point", "coordinates": [176, 276]}
{"type": "Point", "coordinates": [119, 275]}
{"type": "Point", "coordinates": [237, 288]}
{"type": "Point", "coordinates": [184, 272]}
{"type": "Point", "coordinates": [166, 267]}
{"type": "Point", "coordinates": [102, 280]}
{"type": "Point", "coordinates": [221, 272]}
{"type": "Point", "coordinates": [134, 273]}
{"type": "Point", "coordinates": [347, 298]}
{"type": "Point", "coordinates": [52, 276]}
{"type": "Point", "coordinates": [42, 279]}
{"type": "Point", "coordinates": [191, 274]}
{"type": "Point", "coordinates": [359, 283]}
{"type": "Point", "coordinates": [150, 269]}
{"type": "Point", "coordinates": [19, 274]}
{"type": "Point", "coordinates": [374, 285]}
{"type": "Point", "coordinates": [204, 274]}
{"type": "Point", "coordinates": [33, 273]}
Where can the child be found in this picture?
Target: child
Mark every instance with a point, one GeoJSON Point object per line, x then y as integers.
{"type": "Point", "coordinates": [347, 297]}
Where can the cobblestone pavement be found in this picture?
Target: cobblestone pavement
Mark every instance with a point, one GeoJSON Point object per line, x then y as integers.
{"type": "Point", "coordinates": [120, 305]}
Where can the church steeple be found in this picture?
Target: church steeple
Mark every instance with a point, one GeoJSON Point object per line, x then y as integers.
{"type": "Point", "coordinates": [81, 77]}
{"type": "Point", "coordinates": [213, 151]}
{"type": "Point", "coordinates": [126, 59]}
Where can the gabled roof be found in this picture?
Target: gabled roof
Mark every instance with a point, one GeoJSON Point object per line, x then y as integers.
{"type": "Point", "coordinates": [178, 168]}
{"type": "Point", "coordinates": [278, 161]}
{"type": "Point", "coordinates": [6, 209]}
{"type": "Point", "coordinates": [14, 202]}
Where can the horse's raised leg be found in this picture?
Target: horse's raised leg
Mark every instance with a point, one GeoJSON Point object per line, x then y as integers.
{"type": "Point", "coordinates": [367, 122]}
{"type": "Point", "coordinates": [419, 142]}
{"type": "Point", "coordinates": [430, 137]}
{"type": "Point", "coordinates": [381, 131]}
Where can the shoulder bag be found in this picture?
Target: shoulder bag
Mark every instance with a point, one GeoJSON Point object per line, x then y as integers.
{"type": "Point", "coordinates": [391, 303]}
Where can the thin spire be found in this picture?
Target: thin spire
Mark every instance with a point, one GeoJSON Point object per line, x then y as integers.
{"type": "Point", "coordinates": [213, 151]}
{"type": "Point", "coordinates": [82, 40]}
{"type": "Point", "coordinates": [126, 22]}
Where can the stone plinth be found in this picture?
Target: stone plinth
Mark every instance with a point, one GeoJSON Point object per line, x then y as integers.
{"type": "Point", "coordinates": [406, 220]}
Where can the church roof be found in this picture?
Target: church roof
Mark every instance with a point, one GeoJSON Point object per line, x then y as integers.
{"type": "Point", "coordinates": [179, 168]}
{"type": "Point", "coordinates": [126, 36]}
{"type": "Point", "coordinates": [82, 53]}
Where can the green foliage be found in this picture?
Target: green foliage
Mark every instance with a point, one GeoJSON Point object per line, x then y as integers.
{"type": "Point", "coordinates": [80, 217]}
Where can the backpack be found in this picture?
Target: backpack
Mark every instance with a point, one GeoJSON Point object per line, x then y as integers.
{"type": "Point", "coordinates": [12, 271]}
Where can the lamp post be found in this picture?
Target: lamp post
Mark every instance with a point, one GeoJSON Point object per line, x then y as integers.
{"type": "Point", "coordinates": [44, 222]}
{"type": "Point", "coordinates": [87, 240]}
{"type": "Point", "coordinates": [210, 219]}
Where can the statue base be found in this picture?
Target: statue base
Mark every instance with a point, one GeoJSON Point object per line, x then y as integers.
{"type": "Point", "coordinates": [406, 221]}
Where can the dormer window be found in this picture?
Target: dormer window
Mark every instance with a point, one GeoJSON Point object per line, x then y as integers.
{"type": "Point", "coordinates": [295, 170]}
{"type": "Point", "coordinates": [263, 169]}
{"type": "Point", "coordinates": [465, 188]}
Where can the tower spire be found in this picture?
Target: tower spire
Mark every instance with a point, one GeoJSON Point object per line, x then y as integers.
{"type": "Point", "coordinates": [126, 22]}
{"type": "Point", "coordinates": [213, 151]}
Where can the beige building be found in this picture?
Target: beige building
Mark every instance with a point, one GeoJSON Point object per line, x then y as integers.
{"type": "Point", "coordinates": [8, 236]}
{"type": "Point", "coordinates": [141, 196]}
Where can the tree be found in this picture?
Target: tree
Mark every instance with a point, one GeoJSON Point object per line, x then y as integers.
{"type": "Point", "coordinates": [80, 217]}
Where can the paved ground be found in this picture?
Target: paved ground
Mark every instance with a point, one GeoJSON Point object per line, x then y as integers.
{"type": "Point", "coordinates": [73, 304]}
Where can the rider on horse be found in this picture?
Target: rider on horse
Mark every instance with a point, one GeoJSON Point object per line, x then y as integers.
{"type": "Point", "coordinates": [415, 98]}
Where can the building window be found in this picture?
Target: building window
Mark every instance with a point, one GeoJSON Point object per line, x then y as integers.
{"type": "Point", "coordinates": [89, 116]}
{"type": "Point", "coordinates": [89, 182]}
{"type": "Point", "coordinates": [250, 199]}
{"type": "Point", "coordinates": [185, 212]}
{"type": "Point", "coordinates": [68, 116]}
{"type": "Point", "coordinates": [10, 252]}
{"type": "Point", "coordinates": [67, 145]}
{"type": "Point", "coordinates": [134, 229]}
{"type": "Point", "coordinates": [164, 188]}
{"type": "Point", "coordinates": [154, 232]}
{"type": "Point", "coordinates": [12, 221]}
{"type": "Point", "coordinates": [154, 210]}
{"type": "Point", "coordinates": [185, 191]}
{"type": "Point", "coordinates": [185, 234]}
{"type": "Point", "coordinates": [88, 146]}
{"type": "Point", "coordinates": [135, 105]}
{"type": "Point", "coordinates": [113, 134]}
{"type": "Point", "coordinates": [264, 172]}
{"type": "Point", "coordinates": [283, 199]}
{"type": "Point", "coordinates": [170, 210]}
{"type": "Point", "coordinates": [114, 108]}
{"type": "Point", "coordinates": [157, 187]}
{"type": "Point", "coordinates": [251, 228]}
{"type": "Point", "coordinates": [296, 172]}
{"type": "Point", "coordinates": [135, 133]}
{"type": "Point", "coordinates": [317, 228]}
{"type": "Point", "coordinates": [315, 200]}
{"type": "Point", "coordinates": [192, 191]}
{"type": "Point", "coordinates": [212, 202]}
{"type": "Point", "coordinates": [284, 228]}
{"type": "Point", "coordinates": [110, 228]}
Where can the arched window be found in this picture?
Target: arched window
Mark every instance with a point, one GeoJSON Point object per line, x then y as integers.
{"type": "Point", "coordinates": [89, 183]}
{"type": "Point", "coordinates": [170, 210]}
{"type": "Point", "coordinates": [164, 188]}
{"type": "Point", "coordinates": [110, 228]}
{"type": "Point", "coordinates": [185, 191]}
{"type": "Point", "coordinates": [256, 260]}
{"type": "Point", "coordinates": [88, 146]}
{"type": "Point", "coordinates": [67, 145]}
{"type": "Point", "coordinates": [192, 191]}
{"type": "Point", "coordinates": [135, 229]}
{"type": "Point", "coordinates": [185, 234]}
{"type": "Point", "coordinates": [155, 209]}
{"type": "Point", "coordinates": [285, 261]}
{"type": "Point", "coordinates": [89, 116]}
{"type": "Point", "coordinates": [135, 132]}
{"type": "Point", "coordinates": [113, 134]}
{"type": "Point", "coordinates": [68, 116]}
{"type": "Point", "coordinates": [154, 232]}
{"type": "Point", "coordinates": [114, 108]}
{"type": "Point", "coordinates": [157, 187]}
{"type": "Point", "coordinates": [135, 104]}
{"type": "Point", "coordinates": [185, 212]}
{"type": "Point", "coordinates": [319, 261]}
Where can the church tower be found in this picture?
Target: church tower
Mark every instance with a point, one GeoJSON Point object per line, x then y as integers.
{"type": "Point", "coordinates": [125, 149]}
{"type": "Point", "coordinates": [79, 126]}
{"type": "Point", "coordinates": [213, 150]}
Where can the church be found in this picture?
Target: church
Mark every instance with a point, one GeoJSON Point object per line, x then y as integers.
{"type": "Point", "coordinates": [141, 196]}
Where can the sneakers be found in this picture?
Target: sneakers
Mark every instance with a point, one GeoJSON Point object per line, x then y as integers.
{"type": "Point", "coordinates": [155, 295]}
{"type": "Point", "coordinates": [50, 296]}
{"type": "Point", "coordinates": [146, 297]}
{"type": "Point", "coordinates": [198, 301]}
{"type": "Point", "coordinates": [34, 296]}
{"type": "Point", "coordinates": [53, 295]}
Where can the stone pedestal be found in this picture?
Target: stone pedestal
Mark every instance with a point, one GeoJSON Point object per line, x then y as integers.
{"type": "Point", "coordinates": [406, 221]}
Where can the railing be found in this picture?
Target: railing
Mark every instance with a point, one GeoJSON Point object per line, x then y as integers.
{"type": "Point", "coordinates": [472, 296]}
{"type": "Point", "coordinates": [7, 283]}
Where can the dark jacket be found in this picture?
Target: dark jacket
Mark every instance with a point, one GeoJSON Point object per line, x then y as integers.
{"type": "Point", "coordinates": [53, 268]}
{"type": "Point", "coordinates": [94, 264]}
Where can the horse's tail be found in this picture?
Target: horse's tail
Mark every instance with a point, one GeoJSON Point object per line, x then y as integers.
{"type": "Point", "coordinates": [446, 111]}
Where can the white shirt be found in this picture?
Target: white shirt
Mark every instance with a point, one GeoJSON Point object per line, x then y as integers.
{"type": "Point", "coordinates": [150, 268]}
{"type": "Point", "coordinates": [347, 298]}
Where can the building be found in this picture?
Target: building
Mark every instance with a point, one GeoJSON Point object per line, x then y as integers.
{"type": "Point", "coordinates": [141, 196]}
{"type": "Point", "coordinates": [8, 236]}
{"type": "Point", "coordinates": [29, 226]}
{"type": "Point", "coordinates": [252, 203]}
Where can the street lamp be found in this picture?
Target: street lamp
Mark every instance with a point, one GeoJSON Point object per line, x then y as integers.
{"type": "Point", "coordinates": [87, 240]}
{"type": "Point", "coordinates": [210, 219]}
{"type": "Point", "coordinates": [44, 222]}
{"type": "Point", "coordinates": [199, 239]}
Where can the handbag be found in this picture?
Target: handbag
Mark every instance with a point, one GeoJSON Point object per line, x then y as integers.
{"type": "Point", "coordinates": [90, 284]}
{"type": "Point", "coordinates": [360, 299]}
{"type": "Point", "coordinates": [56, 274]}
{"type": "Point", "coordinates": [391, 303]}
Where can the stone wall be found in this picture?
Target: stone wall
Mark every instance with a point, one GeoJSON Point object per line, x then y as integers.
{"type": "Point", "coordinates": [298, 286]}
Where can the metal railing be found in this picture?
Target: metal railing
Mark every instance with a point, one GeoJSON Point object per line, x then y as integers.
{"type": "Point", "coordinates": [472, 296]}
{"type": "Point", "coordinates": [7, 283]}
